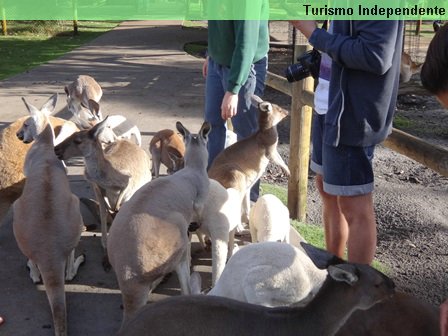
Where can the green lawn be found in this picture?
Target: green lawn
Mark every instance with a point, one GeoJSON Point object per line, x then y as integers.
{"type": "Point", "coordinates": [31, 43]}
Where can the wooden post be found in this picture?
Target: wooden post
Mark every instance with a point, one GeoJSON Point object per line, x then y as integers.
{"type": "Point", "coordinates": [4, 26]}
{"type": "Point", "coordinates": [75, 27]}
{"type": "Point", "coordinates": [418, 27]}
{"type": "Point", "coordinates": [75, 17]}
{"type": "Point", "coordinates": [300, 132]}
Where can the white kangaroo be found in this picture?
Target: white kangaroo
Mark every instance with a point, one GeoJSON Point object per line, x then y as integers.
{"type": "Point", "coordinates": [218, 221]}
{"type": "Point", "coordinates": [269, 274]}
{"type": "Point", "coordinates": [269, 220]}
{"type": "Point", "coordinates": [116, 172]}
{"type": "Point", "coordinates": [47, 221]}
{"type": "Point", "coordinates": [148, 237]}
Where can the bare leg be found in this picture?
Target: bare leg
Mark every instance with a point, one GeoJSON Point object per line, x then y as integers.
{"type": "Point", "coordinates": [335, 224]}
{"type": "Point", "coordinates": [360, 216]}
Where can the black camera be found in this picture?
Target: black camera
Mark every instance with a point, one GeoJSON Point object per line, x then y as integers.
{"type": "Point", "coordinates": [307, 64]}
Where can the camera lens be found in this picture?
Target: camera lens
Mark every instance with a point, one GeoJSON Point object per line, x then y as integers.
{"type": "Point", "coordinates": [296, 72]}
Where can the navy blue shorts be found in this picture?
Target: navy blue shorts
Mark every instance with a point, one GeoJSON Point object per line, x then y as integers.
{"type": "Point", "coordinates": [346, 170]}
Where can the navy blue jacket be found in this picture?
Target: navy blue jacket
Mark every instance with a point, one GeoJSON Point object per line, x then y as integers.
{"type": "Point", "coordinates": [364, 79]}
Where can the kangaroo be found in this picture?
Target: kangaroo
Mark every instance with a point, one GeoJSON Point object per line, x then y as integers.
{"type": "Point", "coordinates": [348, 287]}
{"type": "Point", "coordinates": [240, 165]}
{"type": "Point", "coordinates": [399, 314]}
{"type": "Point", "coordinates": [408, 67]}
{"type": "Point", "coordinates": [118, 127]}
{"type": "Point", "coordinates": [218, 221]}
{"type": "Point", "coordinates": [270, 274]}
{"type": "Point", "coordinates": [148, 237]}
{"type": "Point", "coordinates": [167, 147]}
{"type": "Point", "coordinates": [47, 222]}
{"type": "Point", "coordinates": [116, 172]}
{"type": "Point", "coordinates": [269, 220]}
{"type": "Point", "coordinates": [80, 92]}
{"type": "Point", "coordinates": [28, 131]}
{"type": "Point", "coordinates": [13, 152]}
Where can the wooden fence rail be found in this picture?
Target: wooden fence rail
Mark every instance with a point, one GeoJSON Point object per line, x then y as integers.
{"type": "Point", "coordinates": [432, 156]}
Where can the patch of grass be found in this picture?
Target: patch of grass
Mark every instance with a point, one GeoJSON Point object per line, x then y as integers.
{"type": "Point", "coordinates": [194, 24]}
{"type": "Point", "coordinates": [280, 192]}
{"type": "Point", "coordinates": [31, 43]}
{"type": "Point", "coordinates": [196, 49]}
{"type": "Point", "coordinates": [313, 234]}
{"type": "Point", "coordinates": [402, 122]}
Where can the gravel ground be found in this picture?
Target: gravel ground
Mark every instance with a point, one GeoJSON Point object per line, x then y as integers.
{"type": "Point", "coordinates": [410, 199]}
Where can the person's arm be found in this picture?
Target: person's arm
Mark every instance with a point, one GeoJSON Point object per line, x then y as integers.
{"type": "Point", "coordinates": [205, 67]}
{"type": "Point", "coordinates": [371, 49]}
{"type": "Point", "coordinates": [246, 43]}
{"type": "Point", "coordinates": [306, 27]}
{"type": "Point", "coordinates": [444, 318]}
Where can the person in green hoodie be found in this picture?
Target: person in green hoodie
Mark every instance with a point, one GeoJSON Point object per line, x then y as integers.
{"type": "Point", "coordinates": [235, 69]}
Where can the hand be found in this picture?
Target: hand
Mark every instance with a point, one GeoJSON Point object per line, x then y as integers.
{"type": "Point", "coordinates": [444, 318]}
{"type": "Point", "coordinates": [305, 26]}
{"type": "Point", "coordinates": [205, 67]}
{"type": "Point", "coordinates": [229, 105]}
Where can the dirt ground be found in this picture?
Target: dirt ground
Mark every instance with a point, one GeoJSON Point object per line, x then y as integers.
{"type": "Point", "coordinates": [410, 199]}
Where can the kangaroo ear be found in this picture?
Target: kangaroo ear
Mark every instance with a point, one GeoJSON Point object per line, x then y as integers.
{"type": "Point", "coordinates": [94, 107]}
{"type": "Point", "coordinates": [343, 272]}
{"type": "Point", "coordinates": [96, 130]}
{"type": "Point", "coordinates": [265, 107]}
{"type": "Point", "coordinates": [255, 100]}
{"type": "Point", "coordinates": [31, 108]}
{"type": "Point", "coordinates": [205, 129]}
{"type": "Point", "coordinates": [321, 258]}
{"type": "Point", "coordinates": [49, 107]}
{"type": "Point", "coordinates": [182, 130]}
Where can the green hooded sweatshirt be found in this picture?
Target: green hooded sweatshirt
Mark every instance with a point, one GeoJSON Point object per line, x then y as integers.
{"type": "Point", "coordinates": [237, 44]}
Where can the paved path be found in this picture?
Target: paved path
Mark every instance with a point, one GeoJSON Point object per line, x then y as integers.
{"type": "Point", "coordinates": [146, 76]}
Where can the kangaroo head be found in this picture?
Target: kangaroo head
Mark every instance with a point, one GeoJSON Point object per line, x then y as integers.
{"type": "Point", "coordinates": [367, 285]}
{"type": "Point", "coordinates": [82, 143]}
{"type": "Point", "coordinates": [92, 111]}
{"type": "Point", "coordinates": [270, 114]}
{"type": "Point", "coordinates": [195, 144]}
{"type": "Point", "coordinates": [37, 121]}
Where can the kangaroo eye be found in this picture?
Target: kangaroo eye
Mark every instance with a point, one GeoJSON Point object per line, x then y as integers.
{"type": "Point", "coordinates": [77, 141]}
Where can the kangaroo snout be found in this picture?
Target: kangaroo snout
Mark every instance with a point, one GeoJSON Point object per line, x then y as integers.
{"type": "Point", "coordinates": [20, 136]}
{"type": "Point", "coordinates": [59, 153]}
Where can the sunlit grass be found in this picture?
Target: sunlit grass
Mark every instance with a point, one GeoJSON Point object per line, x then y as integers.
{"type": "Point", "coordinates": [31, 43]}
